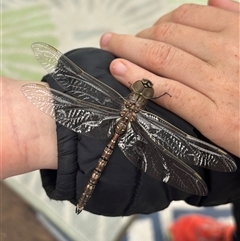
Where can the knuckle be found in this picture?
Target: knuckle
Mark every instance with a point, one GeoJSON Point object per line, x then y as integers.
{"type": "Point", "coordinates": [159, 55]}
{"type": "Point", "coordinates": [177, 95]}
{"type": "Point", "coordinates": [183, 12]}
{"type": "Point", "coordinates": [164, 31]}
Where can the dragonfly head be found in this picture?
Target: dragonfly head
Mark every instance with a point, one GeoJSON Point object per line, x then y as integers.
{"type": "Point", "coordinates": [144, 87]}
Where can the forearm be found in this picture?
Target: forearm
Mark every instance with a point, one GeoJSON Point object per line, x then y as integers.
{"type": "Point", "coordinates": [28, 135]}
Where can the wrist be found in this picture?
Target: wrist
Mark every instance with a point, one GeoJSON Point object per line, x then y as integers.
{"type": "Point", "coordinates": [29, 136]}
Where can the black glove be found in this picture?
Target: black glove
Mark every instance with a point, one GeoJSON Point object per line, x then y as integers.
{"type": "Point", "coordinates": [122, 189]}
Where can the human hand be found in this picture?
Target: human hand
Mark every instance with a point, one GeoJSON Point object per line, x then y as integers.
{"type": "Point", "coordinates": [191, 53]}
{"type": "Point", "coordinates": [229, 5]}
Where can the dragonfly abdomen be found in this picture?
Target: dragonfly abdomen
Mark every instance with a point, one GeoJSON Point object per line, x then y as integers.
{"type": "Point", "coordinates": [92, 182]}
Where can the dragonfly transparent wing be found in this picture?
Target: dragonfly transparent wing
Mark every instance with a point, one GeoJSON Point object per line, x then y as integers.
{"type": "Point", "coordinates": [158, 163]}
{"type": "Point", "coordinates": [79, 116]}
{"type": "Point", "coordinates": [74, 80]}
{"type": "Point", "coordinates": [185, 147]}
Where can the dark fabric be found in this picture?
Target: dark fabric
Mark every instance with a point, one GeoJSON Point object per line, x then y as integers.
{"type": "Point", "coordinates": [122, 189]}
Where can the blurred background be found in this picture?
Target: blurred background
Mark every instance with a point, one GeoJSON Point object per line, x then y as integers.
{"type": "Point", "coordinates": [26, 211]}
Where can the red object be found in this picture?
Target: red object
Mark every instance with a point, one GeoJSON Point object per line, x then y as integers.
{"type": "Point", "coordinates": [200, 228]}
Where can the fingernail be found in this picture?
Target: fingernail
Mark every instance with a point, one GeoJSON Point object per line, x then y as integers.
{"type": "Point", "coordinates": [105, 39]}
{"type": "Point", "coordinates": [119, 68]}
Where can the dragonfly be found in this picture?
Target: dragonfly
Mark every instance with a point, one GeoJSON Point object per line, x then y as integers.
{"type": "Point", "coordinates": [93, 109]}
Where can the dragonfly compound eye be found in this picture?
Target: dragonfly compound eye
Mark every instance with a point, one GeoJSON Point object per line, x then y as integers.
{"type": "Point", "coordinates": [138, 86]}
{"type": "Point", "coordinates": [147, 83]}
{"type": "Point", "coordinates": [148, 90]}
{"type": "Point", "coordinates": [148, 93]}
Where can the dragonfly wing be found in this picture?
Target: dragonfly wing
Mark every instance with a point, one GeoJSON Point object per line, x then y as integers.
{"type": "Point", "coordinates": [79, 116]}
{"type": "Point", "coordinates": [185, 147]}
{"type": "Point", "coordinates": [158, 163]}
{"type": "Point", "coordinates": [211, 156]}
{"type": "Point", "coordinates": [73, 79]}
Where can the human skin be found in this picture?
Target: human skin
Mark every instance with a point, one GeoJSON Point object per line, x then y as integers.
{"type": "Point", "coordinates": [28, 136]}
{"type": "Point", "coordinates": [191, 53]}
{"type": "Point", "coordinates": [225, 4]}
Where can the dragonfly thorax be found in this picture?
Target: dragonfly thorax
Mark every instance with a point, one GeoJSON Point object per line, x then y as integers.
{"type": "Point", "coordinates": [135, 102]}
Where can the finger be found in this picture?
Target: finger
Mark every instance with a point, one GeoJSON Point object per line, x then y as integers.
{"type": "Point", "coordinates": [203, 43]}
{"type": "Point", "coordinates": [161, 59]}
{"type": "Point", "coordinates": [182, 101]}
{"type": "Point", "coordinates": [197, 16]}
{"type": "Point", "coordinates": [225, 4]}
